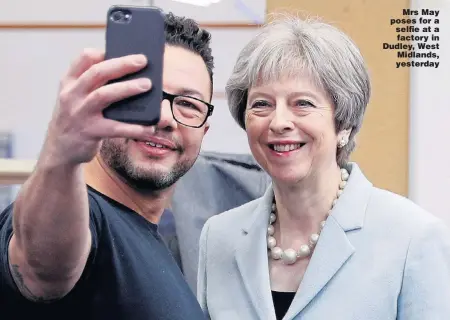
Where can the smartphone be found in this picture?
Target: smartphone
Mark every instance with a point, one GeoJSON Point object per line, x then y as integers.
{"type": "Point", "coordinates": [137, 30]}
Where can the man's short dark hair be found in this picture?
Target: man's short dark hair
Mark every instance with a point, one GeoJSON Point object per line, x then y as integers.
{"type": "Point", "coordinates": [186, 33]}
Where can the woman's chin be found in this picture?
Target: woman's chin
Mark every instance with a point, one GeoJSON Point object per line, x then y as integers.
{"type": "Point", "coordinates": [288, 177]}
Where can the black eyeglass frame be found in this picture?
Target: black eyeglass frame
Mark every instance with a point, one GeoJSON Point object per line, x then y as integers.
{"type": "Point", "coordinates": [171, 97]}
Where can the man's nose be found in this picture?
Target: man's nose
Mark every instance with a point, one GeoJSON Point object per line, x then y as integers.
{"type": "Point", "coordinates": [166, 119]}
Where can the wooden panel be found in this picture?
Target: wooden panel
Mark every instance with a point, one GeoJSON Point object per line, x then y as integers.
{"type": "Point", "coordinates": [14, 171]}
{"type": "Point", "coordinates": [383, 141]}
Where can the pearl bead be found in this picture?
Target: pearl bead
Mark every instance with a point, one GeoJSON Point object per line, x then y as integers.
{"type": "Point", "coordinates": [304, 251]}
{"type": "Point", "coordinates": [271, 242]}
{"type": "Point", "coordinates": [276, 253]}
{"type": "Point", "coordinates": [344, 174]}
{"type": "Point", "coordinates": [289, 256]}
{"type": "Point", "coordinates": [313, 239]}
{"type": "Point", "coordinates": [272, 218]}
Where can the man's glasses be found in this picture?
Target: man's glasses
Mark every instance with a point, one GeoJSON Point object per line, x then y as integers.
{"type": "Point", "coordinates": [188, 111]}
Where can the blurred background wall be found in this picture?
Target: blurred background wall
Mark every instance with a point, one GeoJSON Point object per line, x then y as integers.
{"type": "Point", "coordinates": [402, 147]}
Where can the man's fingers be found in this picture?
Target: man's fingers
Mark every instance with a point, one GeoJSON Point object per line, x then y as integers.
{"type": "Point", "coordinates": [108, 70]}
{"type": "Point", "coordinates": [88, 58]}
{"type": "Point", "coordinates": [106, 95]}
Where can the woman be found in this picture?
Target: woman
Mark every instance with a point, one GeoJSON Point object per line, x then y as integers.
{"type": "Point", "coordinates": [323, 242]}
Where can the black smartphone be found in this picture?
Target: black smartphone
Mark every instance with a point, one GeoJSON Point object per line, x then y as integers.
{"type": "Point", "coordinates": [137, 30]}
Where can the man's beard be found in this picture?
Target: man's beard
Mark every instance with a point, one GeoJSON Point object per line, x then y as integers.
{"type": "Point", "coordinates": [143, 180]}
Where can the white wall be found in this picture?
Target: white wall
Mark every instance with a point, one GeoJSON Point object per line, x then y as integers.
{"type": "Point", "coordinates": [430, 123]}
{"type": "Point", "coordinates": [33, 61]}
{"type": "Point", "coordinates": [95, 11]}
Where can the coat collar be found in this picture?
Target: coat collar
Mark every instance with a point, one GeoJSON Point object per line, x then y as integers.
{"type": "Point", "coordinates": [355, 196]}
{"type": "Point", "coordinates": [332, 251]}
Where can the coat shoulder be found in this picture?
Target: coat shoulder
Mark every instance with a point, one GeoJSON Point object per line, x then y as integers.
{"type": "Point", "coordinates": [237, 215]}
{"type": "Point", "coordinates": [229, 224]}
{"type": "Point", "coordinates": [399, 211]}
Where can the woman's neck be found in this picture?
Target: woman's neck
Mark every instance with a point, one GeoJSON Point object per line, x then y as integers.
{"type": "Point", "coordinates": [303, 206]}
{"type": "Point", "coordinates": [105, 180]}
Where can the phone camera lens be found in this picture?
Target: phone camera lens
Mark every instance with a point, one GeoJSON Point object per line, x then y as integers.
{"type": "Point", "coordinates": [117, 16]}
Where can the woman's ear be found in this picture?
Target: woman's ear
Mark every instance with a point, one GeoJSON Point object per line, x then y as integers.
{"type": "Point", "coordinates": [343, 137]}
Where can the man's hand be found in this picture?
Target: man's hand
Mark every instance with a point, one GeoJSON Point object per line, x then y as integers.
{"type": "Point", "coordinates": [78, 125]}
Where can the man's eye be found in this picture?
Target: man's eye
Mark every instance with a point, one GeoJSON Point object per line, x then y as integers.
{"type": "Point", "coordinates": [185, 103]}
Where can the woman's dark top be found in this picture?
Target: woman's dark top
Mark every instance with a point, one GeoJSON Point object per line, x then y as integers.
{"type": "Point", "coordinates": [281, 302]}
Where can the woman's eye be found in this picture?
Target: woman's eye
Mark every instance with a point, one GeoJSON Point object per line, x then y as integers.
{"type": "Point", "coordinates": [260, 104]}
{"type": "Point", "coordinates": [303, 103]}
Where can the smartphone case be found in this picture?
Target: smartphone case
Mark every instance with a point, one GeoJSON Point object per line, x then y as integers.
{"type": "Point", "coordinates": [142, 32]}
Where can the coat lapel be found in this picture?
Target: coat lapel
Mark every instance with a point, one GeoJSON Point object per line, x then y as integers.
{"type": "Point", "coordinates": [252, 258]}
{"type": "Point", "coordinates": [332, 251]}
{"type": "Point", "coordinates": [334, 248]}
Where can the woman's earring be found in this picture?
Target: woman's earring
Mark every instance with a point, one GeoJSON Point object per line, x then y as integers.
{"type": "Point", "coordinates": [342, 143]}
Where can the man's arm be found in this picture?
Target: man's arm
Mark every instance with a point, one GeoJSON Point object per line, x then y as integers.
{"type": "Point", "coordinates": [51, 237]}
{"type": "Point", "coordinates": [51, 240]}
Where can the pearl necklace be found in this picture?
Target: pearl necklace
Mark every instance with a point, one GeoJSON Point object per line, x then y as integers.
{"type": "Point", "coordinates": [290, 256]}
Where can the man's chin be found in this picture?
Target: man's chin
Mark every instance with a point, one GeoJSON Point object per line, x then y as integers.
{"type": "Point", "coordinates": [149, 166]}
{"type": "Point", "coordinates": [141, 171]}
{"type": "Point", "coordinates": [148, 180]}
{"type": "Point", "coordinates": [153, 177]}
{"type": "Point", "coordinates": [146, 171]}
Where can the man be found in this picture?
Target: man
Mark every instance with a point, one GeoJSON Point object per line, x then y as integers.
{"type": "Point", "coordinates": [74, 252]}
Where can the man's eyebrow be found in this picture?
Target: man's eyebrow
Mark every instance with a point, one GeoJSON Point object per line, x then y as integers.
{"type": "Point", "coordinates": [190, 92]}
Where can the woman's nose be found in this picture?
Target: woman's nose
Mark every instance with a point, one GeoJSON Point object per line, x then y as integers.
{"type": "Point", "coordinates": [282, 120]}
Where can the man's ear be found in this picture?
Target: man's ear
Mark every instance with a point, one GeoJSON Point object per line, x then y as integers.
{"type": "Point", "coordinates": [206, 127]}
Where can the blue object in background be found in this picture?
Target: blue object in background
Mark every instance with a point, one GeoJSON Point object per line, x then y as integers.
{"type": "Point", "coordinates": [240, 4]}
{"type": "Point", "coordinates": [6, 151]}
{"type": "Point", "coordinates": [6, 145]}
